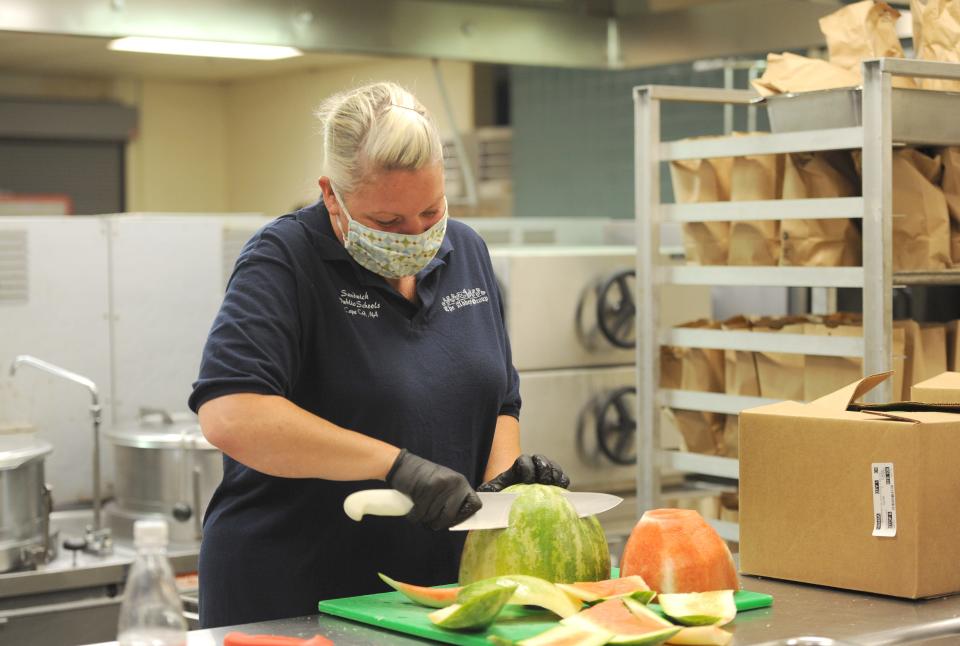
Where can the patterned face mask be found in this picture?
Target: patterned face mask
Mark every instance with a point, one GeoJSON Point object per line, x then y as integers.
{"type": "Point", "coordinates": [391, 255]}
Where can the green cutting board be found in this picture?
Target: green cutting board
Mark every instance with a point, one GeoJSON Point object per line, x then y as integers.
{"type": "Point", "coordinates": [393, 611]}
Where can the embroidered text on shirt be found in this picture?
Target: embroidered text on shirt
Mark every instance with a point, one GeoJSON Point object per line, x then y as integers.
{"type": "Point", "coordinates": [464, 297]}
{"type": "Point", "coordinates": [356, 304]}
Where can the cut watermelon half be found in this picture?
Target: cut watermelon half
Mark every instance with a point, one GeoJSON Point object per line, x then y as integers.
{"type": "Point", "coordinates": [596, 591]}
{"type": "Point", "coordinates": [430, 597]}
{"type": "Point", "coordinates": [629, 621]}
{"type": "Point", "coordinates": [560, 636]}
{"type": "Point", "coordinates": [715, 608]}
{"type": "Point", "coordinates": [702, 636]}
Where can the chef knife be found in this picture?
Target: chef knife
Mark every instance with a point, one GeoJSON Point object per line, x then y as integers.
{"type": "Point", "coordinates": [495, 513]}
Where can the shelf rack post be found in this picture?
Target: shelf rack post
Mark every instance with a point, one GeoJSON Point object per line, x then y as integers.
{"type": "Point", "coordinates": [877, 163]}
{"type": "Point", "coordinates": [647, 204]}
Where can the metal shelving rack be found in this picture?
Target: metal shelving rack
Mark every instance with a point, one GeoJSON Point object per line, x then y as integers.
{"type": "Point", "coordinates": [875, 137]}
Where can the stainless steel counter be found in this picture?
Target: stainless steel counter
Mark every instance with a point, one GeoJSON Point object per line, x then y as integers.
{"type": "Point", "coordinates": [64, 603]}
{"type": "Point", "coordinates": [798, 610]}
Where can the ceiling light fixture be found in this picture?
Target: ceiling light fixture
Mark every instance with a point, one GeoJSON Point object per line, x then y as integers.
{"type": "Point", "coordinates": [210, 48]}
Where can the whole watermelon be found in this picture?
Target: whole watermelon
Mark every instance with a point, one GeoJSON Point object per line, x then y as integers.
{"type": "Point", "coordinates": [545, 539]}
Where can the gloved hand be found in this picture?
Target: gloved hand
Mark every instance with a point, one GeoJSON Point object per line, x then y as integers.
{"type": "Point", "coordinates": [441, 497]}
{"type": "Point", "coordinates": [529, 469]}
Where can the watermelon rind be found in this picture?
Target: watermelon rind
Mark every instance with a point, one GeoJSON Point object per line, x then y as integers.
{"type": "Point", "coordinates": [666, 630]}
{"type": "Point", "coordinates": [702, 636]}
{"type": "Point", "coordinates": [640, 609]}
{"type": "Point", "coordinates": [587, 592]}
{"type": "Point", "coordinates": [714, 608]}
{"type": "Point", "coordinates": [477, 612]}
{"type": "Point", "coordinates": [424, 596]}
{"type": "Point", "coordinates": [533, 591]}
{"type": "Point", "coordinates": [642, 596]}
{"type": "Point", "coordinates": [545, 538]}
{"type": "Point", "coordinates": [559, 636]}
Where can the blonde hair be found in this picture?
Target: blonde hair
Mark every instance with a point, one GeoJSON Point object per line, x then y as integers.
{"type": "Point", "coordinates": [375, 127]}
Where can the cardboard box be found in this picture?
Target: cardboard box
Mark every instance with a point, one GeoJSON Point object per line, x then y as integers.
{"type": "Point", "coordinates": [942, 389]}
{"type": "Point", "coordinates": [807, 495]}
{"type": "Point", "coordinates": [823, 375]}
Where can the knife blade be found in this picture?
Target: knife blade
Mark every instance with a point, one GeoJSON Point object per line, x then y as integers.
{"type": "Point", "coordinates": [495, 513]}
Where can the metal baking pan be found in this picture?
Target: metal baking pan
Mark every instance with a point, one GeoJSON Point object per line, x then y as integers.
{"type": "Point", "coordinates": [919, 116]}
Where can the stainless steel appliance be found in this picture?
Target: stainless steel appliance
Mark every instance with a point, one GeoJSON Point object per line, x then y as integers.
{"type": "Point", "coordinates": [163, 467]}
{"type": "Point", "coordinates": [25, 502]}
{"type": "Point", "coordinates": [571, 318]}
{"type": "Point", "coordinates": [75, 598]}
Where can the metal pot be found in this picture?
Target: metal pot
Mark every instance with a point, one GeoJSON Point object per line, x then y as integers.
{"type": "Point", "coordinates": [163, 467]}
{"type": "Point", "coordinates": [25, 503]}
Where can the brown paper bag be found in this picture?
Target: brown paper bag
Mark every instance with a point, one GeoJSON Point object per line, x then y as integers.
{"type": "Point", "coordinates": [936, 37]}
{"type": "Point", "coordinates": [701, 432]}
{"type": "Point", "coordinates": [824, 375]}
{"type": "Point", "coordinates": [788, 72]}
{"type": "Point", "coordinates": [934, 338]}
{"type": "Point", "coordinates": [951, 192]}
{"type": "Point", "coordinates": [740, 367]}
{"type": "Point", "coordinates": [755, 242]}
{"type": "Point", "coordinates": [921, 221]}
{"type": "Point", "coordinates": [730, 507]}
{"type": "Point", "coordinates": [730, 441]}
{"type": "Point", "coordinates": [780, 374]}
{"type": "Point", "coordinates": [863, 30]}
{"type": "Point", "coordinates": [914, 355]}
{"type": "Point", "coordinates": [821, 243]}
{"type": "Point", "coordinates": [671, 367]}
{"type": "Point", "coordinates": [953, 345]}
{"type": "Point", "coordinates": [703, 180]}
{"type": "Point", "coordinates": [702, 369]}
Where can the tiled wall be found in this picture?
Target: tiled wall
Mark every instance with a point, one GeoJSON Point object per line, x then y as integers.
{"type": "Point", "coordinates": [573, 135]}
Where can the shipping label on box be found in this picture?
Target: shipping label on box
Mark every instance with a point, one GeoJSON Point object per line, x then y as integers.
{"type": "Point", "coordinates": [853, 497]}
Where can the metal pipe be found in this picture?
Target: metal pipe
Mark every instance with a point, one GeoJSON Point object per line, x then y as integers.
{"type": "Point", "coordinates": [728, 84]}
{"type": "Point", "coordinates": [466, 167]}
{"type": "Point", "coordinates": [95, 410]}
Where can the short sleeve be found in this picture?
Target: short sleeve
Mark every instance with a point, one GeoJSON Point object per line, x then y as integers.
{"type": "Point", "coordinates": [253, 346]}
{"type": "Point", "coordinates": [511, 401]}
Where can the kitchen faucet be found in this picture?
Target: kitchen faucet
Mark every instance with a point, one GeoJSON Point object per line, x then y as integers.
{"type": "Point", "coordinates": [98, 539]}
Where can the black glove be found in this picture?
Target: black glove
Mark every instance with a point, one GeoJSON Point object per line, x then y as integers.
{"type": "Point", "coordinates": [529, 469]}
{"type": "Point", "coordinates": [441, 497]}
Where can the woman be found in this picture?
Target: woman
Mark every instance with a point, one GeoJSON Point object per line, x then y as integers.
{"type": "Point", "coordinates": [360, 340]}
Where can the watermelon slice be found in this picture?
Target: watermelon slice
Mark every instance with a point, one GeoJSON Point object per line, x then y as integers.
{"type": "Point", "coordinates": [715, 608]}
{"type": "Point", "coordinates": [595, 591]}
{"type": "Point", "coordinates": [702, 636]}
{"type": "Point", "coordinates": [559, 636]}
{"type": "Point", "coordinates": [477, 611]}
{"type": "Point", "coordinates": [629, 621]}
{"type": "Point", "coordinates": [430, 597]}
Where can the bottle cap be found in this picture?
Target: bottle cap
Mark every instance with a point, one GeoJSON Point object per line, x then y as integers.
{"type": "Point", "coordinates": [150, 533]}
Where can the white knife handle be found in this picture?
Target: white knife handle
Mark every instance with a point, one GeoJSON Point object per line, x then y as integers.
{"type": "Point", "coordinates": [377, 502]}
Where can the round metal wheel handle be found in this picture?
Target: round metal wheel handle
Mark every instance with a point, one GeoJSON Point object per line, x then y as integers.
{"type": "Point", "coordinates": [617, 309]}
{"type": "Point", "coordinates": [617, 440]}
{"type": "Point", "coordinates": [182, 512]}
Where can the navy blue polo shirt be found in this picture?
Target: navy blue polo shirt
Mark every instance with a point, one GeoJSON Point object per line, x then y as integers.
{"type": "Point", "coordinates": [301, 319]}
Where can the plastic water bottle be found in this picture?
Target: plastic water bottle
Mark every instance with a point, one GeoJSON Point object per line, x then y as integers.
{"type": "Point", "coordinates": [151, 613]}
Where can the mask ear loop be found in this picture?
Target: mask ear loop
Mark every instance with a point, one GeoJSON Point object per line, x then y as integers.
{"type": "Point", "coordinates": [343, 207]}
